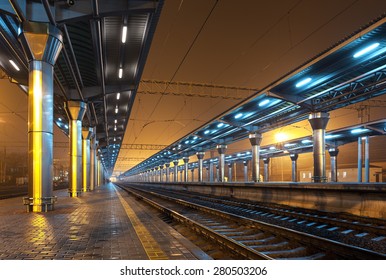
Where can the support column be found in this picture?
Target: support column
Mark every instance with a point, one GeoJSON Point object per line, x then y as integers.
{"type": "Point", "coordinates": [75, 111]}
{"type": "Point", "coordinates": [96, 163]}
{"type": "Point", "coordinates": [211, 175]}
{"type": "Point", "coordinates": [318, 123]}
{"type": "Point", "coordinates": [181, 175]}
{"type": "Point", "coordinates": [266, 169]}
{"type": "Point", "coordinates": [221, 149]}
{"type": "Point", "coordinates": [161, 169]}
{"type": "Point", "coordinates": [98, 166]}
{"type": "Point", "coordinates": [175, 175]}
{"type": "Point", "coordinates": [230, 165]}
{"type": "Point", "coordinates": [86, 135]}
{"type": "Point", "coordinates": [93, 152]}
{"type": "Point", "coordinates": [167, 171]}
{"type": "Point", "coordinates": [294, 160]}
{"type": "Point", "coordinates": [186, 160]}
{"type": "Point", "coordinates": [200, 157]}
{"type": "Point", "coordinates": [156, 174]}
{"type": "Point", "coordinates": [192, 171]}
{"type": "Point", "coordinates": [359, 159]}
{"type": "Point", "coordinates": [255, 139]}
{"type": "Point", "coordinates": [367, 159]}
{"type": "Point", "coordinates": [245, 162]}
{"type": "Point", "coordinates": [42, 43]}
{"type": "Point", "coordinates": [333, 162]}
{"type": "Point", "coordinates": [101, 173]}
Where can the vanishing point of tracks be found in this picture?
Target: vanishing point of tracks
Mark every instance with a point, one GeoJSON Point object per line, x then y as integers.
{"type": "Point", "coordinates": [238, 228]}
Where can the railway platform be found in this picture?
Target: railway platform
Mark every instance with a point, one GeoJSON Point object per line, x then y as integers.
{"type": "Point", "coordinates": [103, 224]}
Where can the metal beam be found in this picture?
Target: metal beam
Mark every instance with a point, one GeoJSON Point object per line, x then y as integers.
{"type": "Point", "coordinates": [194, 89]}
{"type": "Point", "coordinates": [142, 147]}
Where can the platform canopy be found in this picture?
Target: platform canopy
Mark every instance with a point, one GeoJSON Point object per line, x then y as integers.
{"type": "Point", "coordinates": [351, 71]}
{"type": "Point", "coordinates": [105, 48]}
{"type": "Point", "coordinates": [334, 139]}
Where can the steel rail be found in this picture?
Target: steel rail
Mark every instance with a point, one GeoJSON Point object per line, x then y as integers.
{"type": "Point", "coordinates": [228, 242]}
{"type": "Point", "coordinates": [334, 247]}
{"type": "Point", "coordinates": [293, 214]}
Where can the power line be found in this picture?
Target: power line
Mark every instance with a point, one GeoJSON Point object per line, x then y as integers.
{"type": "Point", "coordinates": [195, 90]}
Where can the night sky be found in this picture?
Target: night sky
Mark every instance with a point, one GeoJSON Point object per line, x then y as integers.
{"type": "Point", "coordinates": [244, 43]}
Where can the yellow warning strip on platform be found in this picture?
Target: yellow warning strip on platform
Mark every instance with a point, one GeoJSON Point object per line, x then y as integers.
{"type": "Point", "coordinates": [152, 249]}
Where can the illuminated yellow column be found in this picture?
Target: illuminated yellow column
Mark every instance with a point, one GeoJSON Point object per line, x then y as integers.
{"type": "Point", "coordinates": [75, 111]}
{"type": "Point", "coordinates": [42, 43]}
{"type": "Point", "coordinates": [86, 135]}
{"type": "Point", "coordinates": [93, 152]}
{"type": "Point", "coordinates": [98, 173]}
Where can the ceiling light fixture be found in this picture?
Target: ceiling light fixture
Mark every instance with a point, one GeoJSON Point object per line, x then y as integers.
{"type": "Point", "coordinates": [366, 50]}
{"type": "Point", "coordinates": [120, 72]}
{"type": "Point", "coordinates": [264, 102]}
{"type": "Point", "coordinates": [115, 121]}
{"type": "Point", "coordinates": [306, 141]}
{"type": "Point", "coordinates": [14, 65]}
{"type": "Point", "coordinates": [359, 130]}
{"type": "Point", "coordinates": [116, 109]}
{"type": "Point", "coordinates": [124, 34]}
{"type": "Point", "coordinates": [303, 82]}
{"type": "Point", "coordinates": [118, 95]}
{"type": "Point", "coordinates": [239, 115]}
{"type": "Point", "coordinates": [332, 136]}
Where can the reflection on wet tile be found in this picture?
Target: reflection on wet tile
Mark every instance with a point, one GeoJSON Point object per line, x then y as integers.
{"type": "Point", "coordinates": [93, 226]}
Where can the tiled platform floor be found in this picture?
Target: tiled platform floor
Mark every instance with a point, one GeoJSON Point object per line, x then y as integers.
{"type": "Point", "coordinates": [103, 224]}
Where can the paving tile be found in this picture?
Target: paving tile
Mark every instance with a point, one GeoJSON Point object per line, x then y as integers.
{"type": "Point", "coordinates": [93, 226]}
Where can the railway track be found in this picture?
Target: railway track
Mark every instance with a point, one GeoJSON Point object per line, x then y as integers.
{"type": "Point", "coordinates": [364, 232]}
{"type": "Point", "coordinates": [247, 237]}
{"type": "Point", "coordinates": [355, 230]}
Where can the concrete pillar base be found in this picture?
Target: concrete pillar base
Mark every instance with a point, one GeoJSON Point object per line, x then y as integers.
{"type": "Point", "coordinates": [43, 204]}
{"type": "Point", "coordinates": [74, 194]}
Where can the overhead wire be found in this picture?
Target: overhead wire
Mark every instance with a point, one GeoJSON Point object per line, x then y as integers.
{"type": "Point", "coordinates": [280, 57]}
{"type": "Point", "coordinates": [183, 60]}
